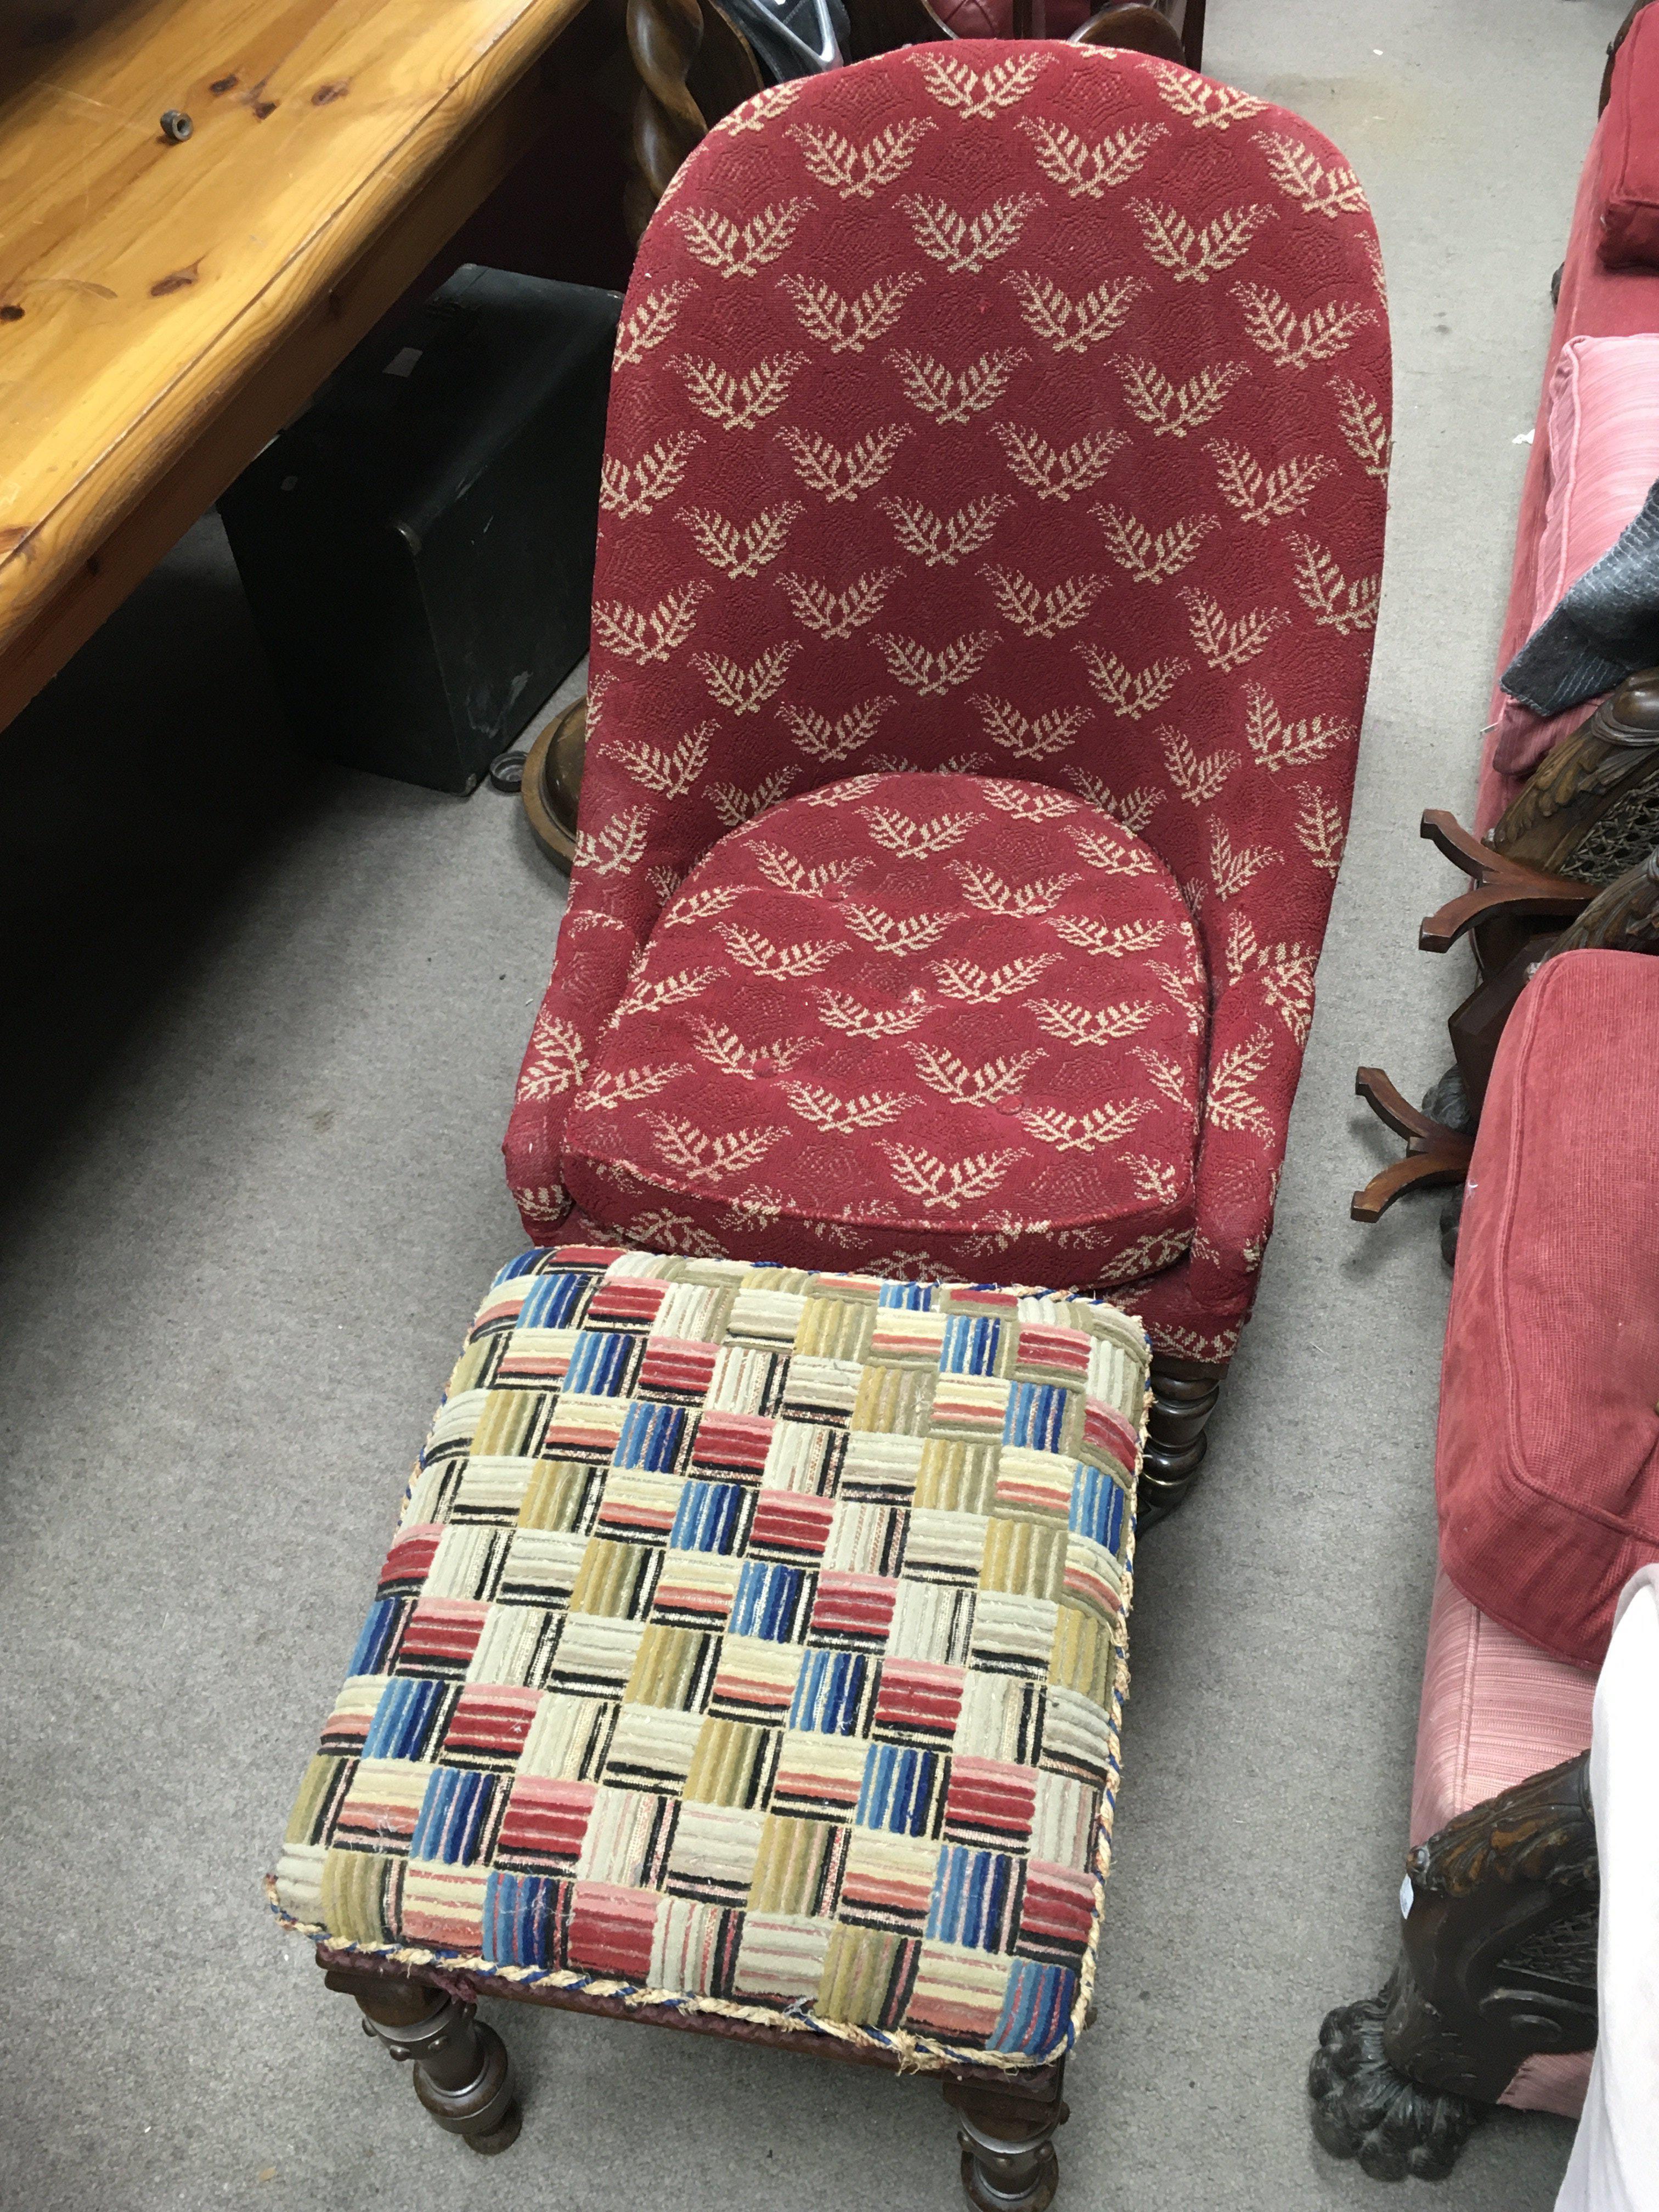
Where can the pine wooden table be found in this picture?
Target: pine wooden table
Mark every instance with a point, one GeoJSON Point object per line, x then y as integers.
{"type": "Point", "coordinates": [167, 304]}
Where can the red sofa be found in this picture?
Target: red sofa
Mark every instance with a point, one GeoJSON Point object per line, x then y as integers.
{"type": "Point", "coordinates": [1547, 1454]}
{"type": "Point", "coordinates": [1547, 1467]}
{"type": "Point", "coordinates": [1547, 1484]}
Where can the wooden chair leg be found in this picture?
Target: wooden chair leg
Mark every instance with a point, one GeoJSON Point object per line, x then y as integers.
{"type": "Point", "coordinates": [1364, 2108]}
{"type": "Point", "coordinates": [1505, 891]}
{"type": "Point", "coordinates": [1006, 2134]}
{"type": "Point", "coordinates": [461, 2071]}
{"type": "Point", "coordinates": [1184, 1394]}
{"type": "Point", "coordinates": [1435, 1155]}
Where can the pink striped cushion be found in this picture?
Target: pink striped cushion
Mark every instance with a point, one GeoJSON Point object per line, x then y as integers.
{"type": "Point", "coordinates": [1495, 1709]}
{"type": "Point", "coordinates": [1603, 459]}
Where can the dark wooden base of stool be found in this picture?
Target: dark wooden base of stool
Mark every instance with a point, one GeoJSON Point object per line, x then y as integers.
{"type": "Point", "coordinates": [461, 2071]}
{"type": "Point", "coordinates": [1184, 1394]}
{"type": "Point", "coordinates": [1006, 2124]}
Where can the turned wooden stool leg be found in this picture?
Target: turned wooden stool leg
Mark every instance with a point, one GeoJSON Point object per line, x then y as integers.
{"type": "Point", "coordinates": [461, 2071]}
{"type": "Point", "coordinates": [1006, 2134]}
{"type": "Point", "coordinates": [1184, 1394]}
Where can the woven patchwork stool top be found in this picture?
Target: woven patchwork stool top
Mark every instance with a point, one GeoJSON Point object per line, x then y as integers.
{"type": "Point", "coordinates": [752, 1640]}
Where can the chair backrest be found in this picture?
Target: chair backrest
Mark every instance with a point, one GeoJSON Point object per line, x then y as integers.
{"type": "Point", "coordinates": [1024, 409]}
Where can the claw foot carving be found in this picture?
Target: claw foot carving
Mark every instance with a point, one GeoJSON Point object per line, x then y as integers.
{"type": "Point", "coordinates": [1366, 2109]}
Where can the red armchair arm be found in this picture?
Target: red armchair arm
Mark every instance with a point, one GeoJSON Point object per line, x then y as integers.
{"type": "Point", "coordinates": [1257, 1035]}
{"type": "Point", "coordinates": [596, 952]}
{"type": "Point", "coordinates": [616, 896]}
{"type": "Point", "coordinates": [1196, 1309]}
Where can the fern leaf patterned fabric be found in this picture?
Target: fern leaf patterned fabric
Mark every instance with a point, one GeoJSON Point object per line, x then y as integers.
{"type": "Point", "coordinates": [751, 1640]}
{"type": "Point", "coordinates": [993, 503]}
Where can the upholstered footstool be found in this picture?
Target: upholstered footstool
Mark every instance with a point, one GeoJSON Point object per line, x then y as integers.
{"type": "Point", "coordinates": [749, 1659]}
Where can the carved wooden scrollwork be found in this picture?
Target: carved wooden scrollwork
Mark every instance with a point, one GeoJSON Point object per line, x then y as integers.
{"type": "Point", "coordinates": [1590, 809]}
{"type": "Point", "coordinates": [662, 37]}
{"type": "Point", "coordinates": [1541, 1831]}
{"type": "Point", "coordinates": [1624, 918]}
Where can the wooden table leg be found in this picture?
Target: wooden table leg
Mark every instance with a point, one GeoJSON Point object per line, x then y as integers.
{"type": "Point", "coordinates": [662, 37]}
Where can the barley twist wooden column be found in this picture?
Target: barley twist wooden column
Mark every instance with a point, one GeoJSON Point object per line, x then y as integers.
{"type": "Point", "coordinates": [662, 37]}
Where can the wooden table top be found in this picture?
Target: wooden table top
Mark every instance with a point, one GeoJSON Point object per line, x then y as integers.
{"type": "Point", "coordinates": [142, 280]}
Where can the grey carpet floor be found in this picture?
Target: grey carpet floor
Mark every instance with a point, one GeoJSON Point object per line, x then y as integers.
{"type": "Point", "coordinates": [265, 1021]}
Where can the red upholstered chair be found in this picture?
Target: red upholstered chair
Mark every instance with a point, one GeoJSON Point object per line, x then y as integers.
{"type": "Point", "coordinates": [994, 509]}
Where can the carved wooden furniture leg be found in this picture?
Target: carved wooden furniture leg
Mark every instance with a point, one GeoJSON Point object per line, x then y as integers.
{"type": "Point", "coordinates": [1497, 1963]}
{"type": "Point", "coordinates": [1621, 918]}
{"type": "Point", "coordinates": [1008, 2161]}
{"type": "Point", "coordinates": [1435, 1155]}
{"type": "Point", "coordinates": [1512, 912]}
{"type": "Point", "coordinates": [1184, 1394]}
{"type": "Point", "coordinates": [663, 37]}
{"type": "Point", "coordinates": [1512, 915]}
{"type": "Point", "coordinates": [461, 2071]}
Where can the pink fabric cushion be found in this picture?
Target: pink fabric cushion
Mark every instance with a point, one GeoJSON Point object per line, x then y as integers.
{"type": "Point", "coordinates": [1630, 152]}
{"type": "Point", "coordinates": [1595, 302]}
{"type": "Point", "coordinates": [1495, 1709]}
{"type": "Point", "coordinates": [1603, 459]}
{"type": "Point", "coordinates": [1548, 1463]}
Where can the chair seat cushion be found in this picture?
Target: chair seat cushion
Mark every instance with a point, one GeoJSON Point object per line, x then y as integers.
{"type": "Point", "coordinates": [752, 1640]}
{"type": "Point", "coordinates": [952, 1011]}
{"type": "Point", "coordinates": [1547, 1467]}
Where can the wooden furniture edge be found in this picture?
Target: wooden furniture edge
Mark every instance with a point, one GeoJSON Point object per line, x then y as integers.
{"type": "Point", "coordinates": [82, 557]}
{"type": "Point", "coordinates": [469, 1989]}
